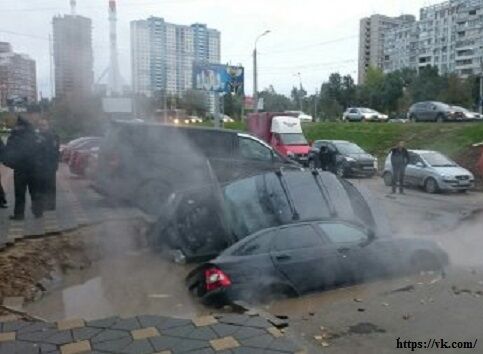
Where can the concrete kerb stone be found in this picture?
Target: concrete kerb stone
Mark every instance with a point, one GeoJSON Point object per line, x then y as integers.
{"type": "Point", "coordinates": [75, 348]}
{"type": "Point", "coordinates": [224, 343]}
{"type": "Point", "coordinates": [7, 337]}
{"type": "Point", "coordinates": [205, 321]}
{"type": "Point", "coordinates": [70, 324]}
{"type": "Point", "coordinates": [145, 333]}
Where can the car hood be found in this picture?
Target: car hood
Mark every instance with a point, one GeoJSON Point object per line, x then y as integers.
{"type": "Point", "coordinates": [361, 157]}
{"type": "Point", "coordinates": [452, 171]}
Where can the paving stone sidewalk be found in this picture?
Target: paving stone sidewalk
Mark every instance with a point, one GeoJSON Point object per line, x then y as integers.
{"type": "Point", "coordinates": [233, 333]}
{"type": "Point", "coordinates": [77, 205]}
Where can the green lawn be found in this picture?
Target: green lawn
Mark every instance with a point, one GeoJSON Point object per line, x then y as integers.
{"type": "Point", "coordinates": [377, 138]}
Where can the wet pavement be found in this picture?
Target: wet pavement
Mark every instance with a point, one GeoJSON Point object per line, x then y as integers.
{"type": "Point", "coordinates": [130, 280]}
{"type": "Point", "coordinates": [147, 335]}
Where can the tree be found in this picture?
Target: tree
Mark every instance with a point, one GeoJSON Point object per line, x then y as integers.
{"type": "Point", "coordinates": [298, 96]}
{"type": "Point", "coordinates": [457, 91]}
{"type": "Point", "coordinates": [233, 105]}
{"type": "Point", "coordinates": [77, 116]}
{"type": "Point", "coordinates": [195, 102]}
{"type": "Point", "coordinates": [274, 102]}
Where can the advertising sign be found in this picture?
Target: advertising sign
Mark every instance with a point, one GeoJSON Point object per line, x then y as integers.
{"type": "Point", "coordinates": [219, 78]}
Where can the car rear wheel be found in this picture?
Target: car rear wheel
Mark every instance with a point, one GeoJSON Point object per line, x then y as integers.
{"type": "Point", "coordinates": [440, 118]}
{"type": "Point", "coordinates": [388, 179]}
{"type": "Point", "coordinates": [413, 118]}
{"type": "Point", "coordinates": [431, 186]}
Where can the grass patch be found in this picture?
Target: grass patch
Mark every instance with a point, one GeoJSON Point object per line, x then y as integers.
{"type": "Point", "coordinates": [451, 139]}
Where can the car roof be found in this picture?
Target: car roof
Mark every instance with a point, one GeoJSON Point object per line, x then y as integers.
{"type": "Point", "coordinates": [333, 141]}
{"type": "Point", "coordinates": [136, 123]}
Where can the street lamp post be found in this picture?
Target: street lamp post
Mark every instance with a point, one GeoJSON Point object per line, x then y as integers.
{"type": "Point", "coordinates": [255, 73]}
{"type": "Point", "coordinates": [299, 75]}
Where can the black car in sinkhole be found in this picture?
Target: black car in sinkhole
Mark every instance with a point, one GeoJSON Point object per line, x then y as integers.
{"type": "Point", "coordinates": [302, 257]}
{"type": "Point", "coordinates": [200, 223]}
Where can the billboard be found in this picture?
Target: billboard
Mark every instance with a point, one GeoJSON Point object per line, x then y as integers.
{"type": "Point", "coordinates": [219, 78]}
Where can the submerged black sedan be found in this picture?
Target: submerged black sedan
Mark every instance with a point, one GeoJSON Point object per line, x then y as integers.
{"type": "Point", "coordinates": [308, 256]}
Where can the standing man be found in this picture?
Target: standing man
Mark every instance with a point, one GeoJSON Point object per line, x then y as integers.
{"type": "Point", "coordinates": [399, 161]}
{"type": "Point", "coordinates": [50, 162]}
{"type": "Point", "coordinates": [22, 155]}
{"type": "Point", "coordinates": [3, 199]}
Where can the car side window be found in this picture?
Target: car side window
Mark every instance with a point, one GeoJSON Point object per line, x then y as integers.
{"type": "Point", "coordinates": [414, 158]}
{"type": "Point", "coordinates": [259, 245]}
{"type": "Point", "coordinates": [353, 111]}
{"type": "Point", "coordinates": [292, 238]}
{"type": "Point", "coordinates": [342, 233]}
{"type": "Point", "coordinates": [252, 150]}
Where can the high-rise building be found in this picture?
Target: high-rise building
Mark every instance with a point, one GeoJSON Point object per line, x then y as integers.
{"type": "Point", "coordinates": [372, 33]}
{"type": "Point", "coordinates": [163, 54]}
{"type": "Point", "coordinates": [18, 78]}
{"type": "Point", "coordinates": [448, 36]}
{"type": "Point", "coordinates": [73, 57]}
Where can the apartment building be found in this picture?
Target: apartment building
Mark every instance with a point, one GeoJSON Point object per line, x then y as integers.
{"type": "Point", "coordinates": [448, 36]}
{"type": "Point", "coordinates": [372, 34]}
{"type": "Point", "coordinates": [162, 54]}
{"type": "Point", "coordinates": [18, 78]}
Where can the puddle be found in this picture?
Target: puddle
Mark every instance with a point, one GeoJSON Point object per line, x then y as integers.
{"type": "Point", "coordinates": [138, 283]}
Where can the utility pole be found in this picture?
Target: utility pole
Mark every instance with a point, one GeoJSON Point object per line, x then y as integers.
{"type": "Point", "coordinates": [316, 98]}
{"type": "Point", "coordinates": [481, 86]}
{"type": "Point", "coordinates": [255, 73]}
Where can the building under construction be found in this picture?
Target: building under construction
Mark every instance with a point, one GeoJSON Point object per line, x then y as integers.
{"type": "Point", "coordinates": [73, 56]}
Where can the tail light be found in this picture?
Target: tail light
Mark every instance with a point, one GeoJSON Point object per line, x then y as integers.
{"type": "Point", "coordinates": [215, 278]}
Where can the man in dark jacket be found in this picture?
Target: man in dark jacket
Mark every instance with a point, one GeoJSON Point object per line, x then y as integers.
{"type": "Point", "coordinates": [21, 155]}
{"type": "Point", "coordinates": [3, 199]}
{"type": "Point", "coordinates": [328, 159]}
{"type": "Point", "coordinates": [399, 161]}
{"type": "Point", "coordinates": [50, 162]}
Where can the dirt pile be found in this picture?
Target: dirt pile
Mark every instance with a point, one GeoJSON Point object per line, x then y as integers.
{"type": "Point", "coordinates": [468, 160]}
{"type": "Point", "coordinates": [30, 266]}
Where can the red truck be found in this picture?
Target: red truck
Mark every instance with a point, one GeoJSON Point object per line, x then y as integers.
{"type": "Point", "coordinates": [283, 132]}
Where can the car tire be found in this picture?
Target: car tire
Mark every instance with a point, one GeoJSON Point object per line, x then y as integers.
{"type": "Point", "coordinates": [439, 118]}
{"type": "Point", "coordinates": [413, 118]}
{"type": "Point", "coordinates": [312, 164]}
{"type": "Point", "coordinates": [424, 261]}
{"type": "Point", "coordinates": [462, 191]}
{"type": "Point", "coordinates": [387, 179]}
{"type": "Point", "coordinates": [431, 186]}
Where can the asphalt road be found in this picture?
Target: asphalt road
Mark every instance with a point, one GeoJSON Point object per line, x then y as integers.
{"type": "Point", "coordinates": [369, 318]}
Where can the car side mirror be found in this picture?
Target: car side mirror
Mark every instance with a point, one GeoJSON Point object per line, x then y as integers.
{"type": "Point", "coordinates": [371, 236]}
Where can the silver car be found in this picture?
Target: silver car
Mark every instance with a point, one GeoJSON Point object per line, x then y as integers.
{"type": "Point", "coordinates": [433, 171]}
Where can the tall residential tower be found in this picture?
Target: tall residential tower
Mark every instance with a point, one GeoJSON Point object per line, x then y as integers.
{"type": "Point", "coordinates": [162, 54]}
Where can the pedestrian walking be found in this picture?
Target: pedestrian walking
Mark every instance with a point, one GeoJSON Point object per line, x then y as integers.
{"type": "Point", "coordinates": [3, 199]}
{"type": "Point", "coordinates": [328, 159]}
{"type": "Point", "coordinates": [49, 160]}
{"type": "Point", "coordinates": [399, 161]}
{"type": "Point", "coordinates": [22, 155]}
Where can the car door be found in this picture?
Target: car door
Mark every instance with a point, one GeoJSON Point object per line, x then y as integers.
{"type": "Point", "coordinates": [254, 157]}
{"type": "Point", "coordinates": [353, 114]}
{"type": "Point", "coordinates": [314, 153]}
{"type": "Point", "coordinates": [418, 169]}
{"type": "Point", "coordinates": [299, 254]}
{"type": "Point", "coordinates": [348, 241]}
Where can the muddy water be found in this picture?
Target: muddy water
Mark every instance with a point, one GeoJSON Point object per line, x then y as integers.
{"type": "Point", "coordinates": [138, 283]}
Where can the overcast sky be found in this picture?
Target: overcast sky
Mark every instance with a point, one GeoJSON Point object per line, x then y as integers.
{"type": "Point", "coordinates": [310, 37]}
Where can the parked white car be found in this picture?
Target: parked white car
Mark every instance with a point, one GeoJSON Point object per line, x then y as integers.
{"type": "Point", "coordinates": [433, 172]}
{"type": "Point", "coordinates": [359, 114]}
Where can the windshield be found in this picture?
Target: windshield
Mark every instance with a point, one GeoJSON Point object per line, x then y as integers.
{"type": "Point", "coordinates": [459, 109]}
{"type": "Point", "coordinates": [293, 139]}
{"type": "Point", "coordinates": [349, 148]}
{"type": "Point", "coordinates": [436, 159]}
{"type": "Point", "coordinates": [367, 110]}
